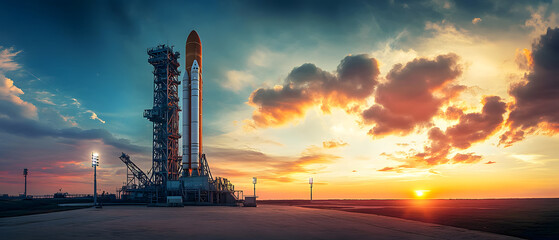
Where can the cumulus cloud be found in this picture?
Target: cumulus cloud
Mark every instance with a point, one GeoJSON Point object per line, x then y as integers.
{"type": "Point", "coordinates": [307, 86]}
{"type": "Point", "coordinates": [536, 99]}
{"type": "Point", "coordinates": [453, 113]}
{"type": "Point", "coordinates": [538, 22]}
{"type": "Point", "coordinates": [476, 20]}
{"type": "Point", "coordinates": [413, 95]}
{"type": "Point", "coordinates": [11, 104]}
{"type": "Point", "coordinates": [7, 62]}
{"type": "Point", "coordinates": [476, 127]}
{"type": "Point", "coordinates": [471, 128]}
{"type": "Point", "coordinates": [94, 116]}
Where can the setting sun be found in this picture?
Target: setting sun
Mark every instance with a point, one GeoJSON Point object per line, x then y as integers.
{"type": "Point", "coordinates": [421, 193]}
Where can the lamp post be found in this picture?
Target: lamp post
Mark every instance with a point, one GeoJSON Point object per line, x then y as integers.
{"type": "Point", "coordinates": [25, 174]}
{"type": "Point", "coordinates": [254, 183]}
{"type": "Point", "coordinates": [311, 182]}
{"type": "Point", "coordinates": [94, 163]}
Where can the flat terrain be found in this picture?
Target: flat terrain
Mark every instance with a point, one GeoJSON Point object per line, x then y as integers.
{"type": "Point", "coordinates": [18, 207]}
{"type": "Point", "coordinates": [196, 222]}
{"type": "Point", "coordinates": [524, 218]}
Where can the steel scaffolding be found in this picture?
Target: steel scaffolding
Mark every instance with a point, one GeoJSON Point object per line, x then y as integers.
{"type": "Point", "coordinates": [165, 118]}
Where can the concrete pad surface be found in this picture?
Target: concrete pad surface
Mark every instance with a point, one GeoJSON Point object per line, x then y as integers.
{"type": "Point", "coordinates": [208, 222]}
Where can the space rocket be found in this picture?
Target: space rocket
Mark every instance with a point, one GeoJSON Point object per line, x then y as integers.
{"type": "Point", "coordinates": [192, 107]}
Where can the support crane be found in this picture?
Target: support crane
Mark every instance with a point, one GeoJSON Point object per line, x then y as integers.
{"type": "Point", "coordinates": [136, 171]}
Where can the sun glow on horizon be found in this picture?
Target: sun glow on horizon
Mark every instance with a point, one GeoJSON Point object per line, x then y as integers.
{"type": "Point", "coordinates": [421, 193]}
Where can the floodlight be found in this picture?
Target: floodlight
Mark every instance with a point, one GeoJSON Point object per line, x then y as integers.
{"type": "Point", "coordinates": [94, 159]}
{"type": "Point", "coordinates": [94, 164]}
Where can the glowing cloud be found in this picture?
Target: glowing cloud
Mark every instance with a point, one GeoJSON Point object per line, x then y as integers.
{"type": "Point", "coordinates": [413, 95]}
{"type": "Point", "coordinates": [471, 128]}
{"type": "Point", "coordinates": [307, 86]}
{"type": "Point", "coordinates": [536, 100]}
{"type": "Point", "coordinates": [524, 59]}
{"type": "Point", "coordinates": [94, 116]}
{"type": "Point", "coordinates": [11, 105]}
{"type": "Point", "coordinates": [7, 59]}
{"type": "Point", "coordinates": [333, 144]}
{"type": "Point", "coordinates": [476, 20]}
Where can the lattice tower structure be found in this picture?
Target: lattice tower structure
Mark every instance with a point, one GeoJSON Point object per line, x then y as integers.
{"type": "Point", "coordinates": [165, 115]}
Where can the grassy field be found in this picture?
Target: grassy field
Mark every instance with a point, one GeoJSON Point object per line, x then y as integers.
{"type": "Point", "coordinates": [18, 207]}
{"type": "Point", "coordinates": [525, 218]}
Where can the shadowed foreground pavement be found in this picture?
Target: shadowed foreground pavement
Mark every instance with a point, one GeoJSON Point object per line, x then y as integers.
{"type": "Point", "coordinates": [263, 222]}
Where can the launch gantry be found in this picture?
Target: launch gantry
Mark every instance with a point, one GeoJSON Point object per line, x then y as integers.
{"type": "Point", "coordinates": [170, 184]}
{"type": "Point", "coordinates": [165, 116]}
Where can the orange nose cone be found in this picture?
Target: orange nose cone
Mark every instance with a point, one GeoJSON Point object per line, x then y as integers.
{"type": "Point", "coordinates": [193, 50]}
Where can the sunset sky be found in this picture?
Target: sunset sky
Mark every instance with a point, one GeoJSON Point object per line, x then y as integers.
{"type": "Point", "coordinates": [373, 99]}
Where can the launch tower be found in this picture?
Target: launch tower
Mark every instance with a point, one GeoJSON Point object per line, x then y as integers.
{"type": "Point", "coordinates": [165, 116]}
{"type": "Point", "coordinates": [169, 183]}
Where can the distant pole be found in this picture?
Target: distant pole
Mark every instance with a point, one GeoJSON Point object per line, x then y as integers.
{"type": "Point", "coordinates": [25, 174]}
{"type": "Point", "coordinates": [311, 182]}
{"type": "Point", "coordinates": [94, 163]}
{"type": "Point", "coordinates": [254, 183]}
{"type": "Point", "coordinates": [95, 185]}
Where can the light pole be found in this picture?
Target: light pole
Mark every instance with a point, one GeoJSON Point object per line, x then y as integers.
{"type": "Point", "coordinates": [94, 163]}
{"type": "Point", "coordinates": [25, 174]}
{"type": "Point", "coordinates": [254, 183]}
{"type": "Point", "coordinates": [311, 182]}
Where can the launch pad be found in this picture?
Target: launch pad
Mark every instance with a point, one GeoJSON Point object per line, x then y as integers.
{"type": "Point", "coordinates": [168, 182]}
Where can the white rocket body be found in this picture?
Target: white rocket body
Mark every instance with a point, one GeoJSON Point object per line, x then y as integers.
{"type": "Point", "coordinates": [185, 121]}
{"type": "Point", "coordinates": [195, 117]}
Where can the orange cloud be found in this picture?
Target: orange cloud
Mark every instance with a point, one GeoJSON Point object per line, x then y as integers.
{"type": "Point", "coordinates": [413, 95]}
{"type": "Point", "coordinates": [11, 105]}
{"type": "Point", "coordinates": [453, 113]}
{"type": "Point", "coordinates": [476, 127]}
{"type": "Point", "coordinates": [466, 158]}
{"type": "Point", "coordinates": [476, 20]}
{"type": "Point", "coordinates": [471, 128]}
{"type": "Point", "coordinates": [387, 169]}
{"type": "Point", "coordinates": [536, 100]}
{"type": "Point", "coordinates": [307, 86]}
{"type": "Point", "coordinates": [524, 59]}
{"type": "Point", "coordinates": [333, 144]}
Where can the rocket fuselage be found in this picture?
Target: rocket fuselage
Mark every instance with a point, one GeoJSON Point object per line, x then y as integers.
{"type": "Point", "coordinates": [192, 106]}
